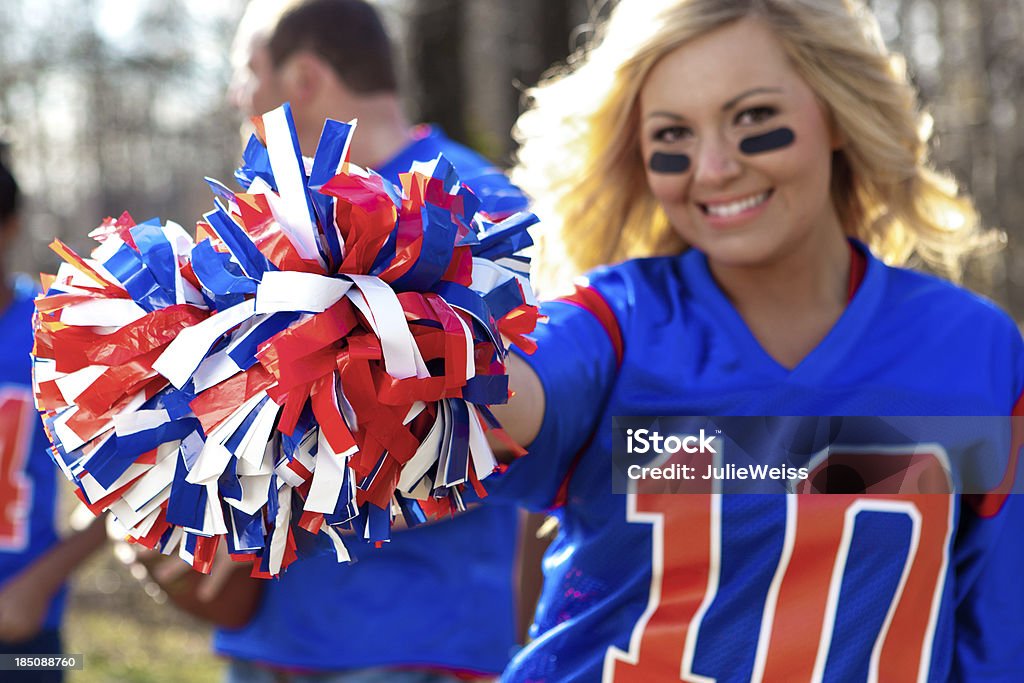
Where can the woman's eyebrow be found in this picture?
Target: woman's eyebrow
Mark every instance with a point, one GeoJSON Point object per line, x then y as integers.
{"type": "Point", "coordinates": [665, 114]}
{"type": "Point", "coordinates": [753, 91]}
{"type": "Point", "coordinates": [725, 107]}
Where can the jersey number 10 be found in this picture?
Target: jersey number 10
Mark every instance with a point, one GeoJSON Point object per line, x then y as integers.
{"type": "Point", "coordinates": [729, 600]}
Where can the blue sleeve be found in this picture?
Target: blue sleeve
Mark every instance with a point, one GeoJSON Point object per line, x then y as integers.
{"type": "Point", "coordinates": [990, 592]}
{"type": "Point", "coordinates": [576, 364]}
{"type": "Point", "coordinates": [989, 555]}
{"type": "Point", "coordinates": [499, 198]}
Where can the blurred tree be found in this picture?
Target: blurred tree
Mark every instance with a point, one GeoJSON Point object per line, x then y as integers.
{"type": "Point", "coordinates": [967, 58]}
{"type": "Point", "coordinates": [435, 46]}
{"type": "Point", "coordinates": [123, 108]}
{"type": "Point", "coordinates": [468, 62]}
{"type": "Point", "coordinates": [120, 109]}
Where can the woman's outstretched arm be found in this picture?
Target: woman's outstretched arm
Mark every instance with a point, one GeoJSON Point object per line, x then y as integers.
{"type": "Point", "coordinates": [522, 416]}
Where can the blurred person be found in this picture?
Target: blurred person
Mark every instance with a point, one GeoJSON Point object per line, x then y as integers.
{"type": "Point", "coordinates": [436, 605]}
{"type": "Point", "coordinates": [34, 561]}
{"type": "Point", "coordinates": [334, 59]}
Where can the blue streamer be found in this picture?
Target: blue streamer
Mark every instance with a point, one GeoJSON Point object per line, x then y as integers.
{"type": "Point", "coordinates": [470, 205]}
{"type": "Point", "coordinates": [186, 506]}
{"type": "Point", "coordinates": [127, 266]}
{"type": "Point", "coordinates": [379, 521]}
{"type": "Point", "coordinates": [220, 276]}
{"type": "Point", "coordinates": [412, 513]}
{"type": "Point", "coordinates": [346, 508]}
{"type": "Point", "coordinates": [235, 440]}
{"type": "Point", "coordinates": [486, 389]}
{"type": "Point", "coordinates": [158, 255]}
{"type": "Point", "coordinates": [504, 298]}
{"type": "Point", "coordinates": [250, 529]}
{"type": "Point", "coordinates": [255, 164]}
{"type": "Point", "coordinates": [137, 443]}
{"type": "Point", "coordinates": [251, 259]}
{"type": "Point", "coordinates": [470, 301]}
{"type": "Point", "coordinates": [330, 154]}
{"type": "Point", "coordinates": [244, 352]}
{"type": "Point", "coordinates": [506, 238]}
{"type": "Point", "coordinates": [439, 235]}
{"type": "Point", "coordinates": [221, 193]}
{"type": "Point", "coordinates": [457, 466]}
{"type": "Point", "coordinates": [228, 485]}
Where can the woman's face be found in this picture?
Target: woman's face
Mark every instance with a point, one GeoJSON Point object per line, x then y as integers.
{"type": "Point", "coordinates": [737, 148]}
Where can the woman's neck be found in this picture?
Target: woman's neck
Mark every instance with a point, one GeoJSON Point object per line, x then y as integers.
{"type": "Point", "coordinates": [790, 303]}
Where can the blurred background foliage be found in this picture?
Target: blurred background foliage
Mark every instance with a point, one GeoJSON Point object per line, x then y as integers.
{"type": "Point", "coordinates": [111, 105]}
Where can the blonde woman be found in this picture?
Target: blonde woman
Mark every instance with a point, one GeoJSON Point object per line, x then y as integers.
{"type": "Point", "coordinates": [757, 169]}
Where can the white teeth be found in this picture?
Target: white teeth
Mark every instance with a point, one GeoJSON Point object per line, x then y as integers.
{"type": "Point", "coordinates": [737, 207]}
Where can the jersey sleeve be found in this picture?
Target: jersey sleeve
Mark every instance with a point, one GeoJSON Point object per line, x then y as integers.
{"type": "Point", "coordinates": [989, 555]}
{"type": "Point", "coordinates": [499, 198]}
{"type": "Point", "coordinates": [577, 355]}
{"type": "Point", "coordinates": [990, 609]}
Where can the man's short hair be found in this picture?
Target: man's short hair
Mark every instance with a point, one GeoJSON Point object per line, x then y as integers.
{"type": "Point", "coordinates": [347, 34]}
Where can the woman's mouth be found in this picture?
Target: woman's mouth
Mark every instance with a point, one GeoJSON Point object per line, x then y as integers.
{"type": "Point", "coordinates": [734, 207]}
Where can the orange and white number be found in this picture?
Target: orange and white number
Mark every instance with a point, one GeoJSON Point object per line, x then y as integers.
{"type": "Point", "coordinates": [801, 604]}
{"type": "Point", "coordinates": [16, 419]}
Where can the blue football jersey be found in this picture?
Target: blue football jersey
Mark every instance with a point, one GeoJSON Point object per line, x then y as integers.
{"type": "Point", "coordinates": [28, 485]}
{"type": "Point", "coordinates": [702, 587]}
{"type": "Point", "coordinates": [438, 596]}
{"type": "Point", "coordinates": [499, 198]}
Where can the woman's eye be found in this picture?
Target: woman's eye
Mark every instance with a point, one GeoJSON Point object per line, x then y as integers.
{"type": "Point", "coordinates": [671, 134]}
{"type": "Point", "coordinates": [754, 115]}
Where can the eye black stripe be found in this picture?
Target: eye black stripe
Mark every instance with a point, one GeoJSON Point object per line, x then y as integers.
{"type": "Point", "coordinates": [768, 142]}
{"type": "Point", "coordinates": [669, 163]}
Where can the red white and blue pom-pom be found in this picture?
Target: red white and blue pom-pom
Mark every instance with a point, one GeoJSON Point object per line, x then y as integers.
{"type": "Point", "coordinates": [319, 357]}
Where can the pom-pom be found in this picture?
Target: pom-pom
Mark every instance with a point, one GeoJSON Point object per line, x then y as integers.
{"type": "Point", "coordinates": [319, 358]}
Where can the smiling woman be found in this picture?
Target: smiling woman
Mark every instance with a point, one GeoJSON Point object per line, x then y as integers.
{"type": "Point", "coordinates": [582, 133]}
{"type": "Point", "coordinates": [727, 100]}
{"type": "Point", "coordinates": [757, 200]}
{"type": "Point", "coordinates": [749, 166]}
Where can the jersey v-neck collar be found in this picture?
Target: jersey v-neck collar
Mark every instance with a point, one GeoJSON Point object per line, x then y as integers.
{"type": "Point", "coordinates": [830, 352]}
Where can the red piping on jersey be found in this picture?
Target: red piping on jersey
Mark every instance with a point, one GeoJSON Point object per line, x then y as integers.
{"type": "Point", "coordinates": [858, 266]}
{"type": "Point", "coordinates": [591, 301]}
{"type": "Point", "coordinates": [989, 504]}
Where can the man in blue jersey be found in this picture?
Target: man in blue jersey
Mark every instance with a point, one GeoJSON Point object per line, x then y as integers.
{"type": "Point", "coordinates": [34, 561]}
{"type": "Point", "coordinates": [333, 59]}
{"type": "Point", "coordinates": [438, 603]}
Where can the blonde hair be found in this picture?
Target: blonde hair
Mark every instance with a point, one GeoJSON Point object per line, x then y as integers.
{"type": "Point", "coordinates": [580, 155]}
